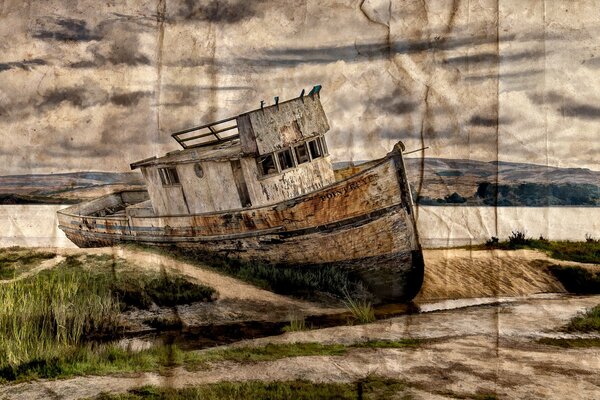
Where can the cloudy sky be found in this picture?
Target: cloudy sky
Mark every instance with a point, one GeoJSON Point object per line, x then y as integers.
{"type": "Point", "coordinates": [87, 85]}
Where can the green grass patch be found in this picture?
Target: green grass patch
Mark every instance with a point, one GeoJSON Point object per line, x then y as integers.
{"type": "Point", "coordinates": [270, 352]}
{"type": "Point", "coordinates": [275, 351]}
{"type": "Point", "coordinates": [45, 319]}
{"type": "Point", "coordinates": [570, 343]}
{"type": "Point", "coordinates": [362, 310]}
{"type": "Point", "coordinates": [588, 321]}
{"type": "Point", "coordinates": [297, 324]}
{"type": "Point", "coordinates": [17, 260]}
{"type": "Point", "coordinates": [97, 359]}
{"type": "Point", "coordinates": [577, 280]}
{"type": "Point", "coordinates": [109, 358]}
{"type": "Point", "coordinates": [305, 282]}
{"type": "Point", "coordinates": [390, 344]}
{"type": "Point", "coordinates": [372, 388]}
{"type": "Point", "coordinates": [585, 251]}
{"type": "Point", "coordinates": [134, 287]}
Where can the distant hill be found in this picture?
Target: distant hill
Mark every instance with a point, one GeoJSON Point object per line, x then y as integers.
{"type": "Point", "coordinates": [443, 182]}
{"type": "Point", "coordinates": [64, 187]}
{"type": "Point", "coordinates": [471, 182]}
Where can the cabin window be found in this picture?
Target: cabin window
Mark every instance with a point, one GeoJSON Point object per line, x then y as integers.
{"type": "Point", "coordinates": [302, 153]}
{"type": "Point", "coordinates": [286, 161]}
{"type": "Point", "coordinates": [198, 170]}
{"type": "Point", "coordinates": [168, 176]}
{"type": "Point", "coordinates": [316, 150]}
{"type": "Point", "coordinates": [324, 145]}
{"type": "Point", "coordinates": [266, 165]}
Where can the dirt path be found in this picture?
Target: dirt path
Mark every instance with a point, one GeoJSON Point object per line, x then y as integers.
{"type": "Point", "coordinates": [46, 264]}
{"type": "Point", "coordinates": [477, 350]}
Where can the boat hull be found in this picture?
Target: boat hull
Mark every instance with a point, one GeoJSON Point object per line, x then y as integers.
{"type": "Point", "coordinates": [364, 224]}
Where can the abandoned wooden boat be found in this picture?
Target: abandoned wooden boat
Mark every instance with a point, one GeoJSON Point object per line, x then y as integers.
{"type": "Point", "coordinates": [260, 186]}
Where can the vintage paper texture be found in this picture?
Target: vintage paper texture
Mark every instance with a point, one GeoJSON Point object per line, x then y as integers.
{"type": "Point", "coordinates": [487, 86]}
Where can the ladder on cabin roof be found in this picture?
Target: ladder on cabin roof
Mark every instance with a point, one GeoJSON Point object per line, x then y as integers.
{"type": "Point", "coordinates": [208, 134]}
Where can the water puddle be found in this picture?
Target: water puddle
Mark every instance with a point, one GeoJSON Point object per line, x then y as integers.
{"type": "Point", "coordinates": [453, 304]}
{"type": "Point", "coordinates": [202, 337]}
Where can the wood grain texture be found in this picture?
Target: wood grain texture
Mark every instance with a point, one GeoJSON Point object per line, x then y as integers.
{"type": "Point", "coordinates": [364, 223]}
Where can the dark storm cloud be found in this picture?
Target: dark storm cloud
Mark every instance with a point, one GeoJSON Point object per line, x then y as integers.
{"type": "Point", "coordinates": [81, 97]}
{"type": "Point", "coordinates": [441, 136]}
{"type": "Point", "coordinates": [65, 30]}
{"type": "Point", "coordinates": [504, 76]}
{"type": "Point", "coordinates": [567, 106]}
{"type": "Point", "coordinates": [493, 58]}
{"type": "Point", "coordinates": [295, 56]}
{"type": "Point", "coordinates": [478, 120]}
{"type": "Point", "coordinates": [127, 99]}
{"type": "Point", "coordinates": [396, 103]}
{"type": "Point", "coordinates": [117, 52]}
{"type": "Point", "coordinates": [328, 54]}
{"type": "Point", "coordinates": [25, 65]}
{"type": "Point", "coordinates": [89, 96]}
{"type": "Point", "coordinates": [78, 96]}
{"type": "Point", "coordinates": [582, 111]}
{"type": "Point", "coordinates": [547, 98]}
{"type": "Point", "coordinates": [114, 41]}
{"type": "Point", "coordinates": [228, 12]}
{"type": "Point", "coordinates": [488, 122]}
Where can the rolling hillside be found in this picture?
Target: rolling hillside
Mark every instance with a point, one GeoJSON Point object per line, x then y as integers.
{"type": "Point", "coordinates": [441, 182]}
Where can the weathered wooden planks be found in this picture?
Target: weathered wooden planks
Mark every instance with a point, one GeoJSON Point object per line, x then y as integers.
{"type": "Point", "coordinates": [364, 223]}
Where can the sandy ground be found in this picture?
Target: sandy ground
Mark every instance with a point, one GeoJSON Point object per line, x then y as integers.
{"type": "Point", "coordinates": [460, 273]}
{"type": "Point", "coordinates": [484, 349]}
{"type": "Point", "coordinates": [470, 349]}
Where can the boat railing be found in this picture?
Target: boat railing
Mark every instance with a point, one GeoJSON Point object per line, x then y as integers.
{"type": "Point", "coordinates": [217, 132]}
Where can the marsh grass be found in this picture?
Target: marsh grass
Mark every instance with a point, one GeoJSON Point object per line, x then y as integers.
{"type": "Point", "coordinates": [97, 359]}
{"type": "Point", "coordinates": [110, 358]}
{"type": "Point", "coordinates": [46, 319]}
{"type": "Point", "coordinates": [45, 315]}
{"type": "Point", "coordinates": [371, 388]}
{"type": "Point", "coordinates": [588, 321]}
{"type": "Point", "coordinates": [361, 309]}
{"type": "Point", "coordinates": [304, 282]}
{"type": "Point", "coordinates": [297, 324]}
{"type": "Point", "coordinates": [585, 251]}
{"type": "Point", "coordinates": [390, 344]}
{"type": "Point", "coordinates": [269, 352]}
{"type": "Point", "coordinates": [17, 260]}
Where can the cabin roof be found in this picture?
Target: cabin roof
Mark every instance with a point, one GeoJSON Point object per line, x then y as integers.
{"type": "Point", "coordinates": [219, 151]}
{"type": "Point", "coordinates": [255, 132]}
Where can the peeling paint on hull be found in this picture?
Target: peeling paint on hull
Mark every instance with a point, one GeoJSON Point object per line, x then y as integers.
{"type": "Point", "coordinates": [364, 224]}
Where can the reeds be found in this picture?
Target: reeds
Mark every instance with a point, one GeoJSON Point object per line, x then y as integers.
{"type": "Point", "coordinates": [297, 324]}
{"type": "Point", "coordinates": [45, 315]}
{"type": "Point", "coordinates": [361, 309]}
{"type": "Point", "coordinates": [305, 282]}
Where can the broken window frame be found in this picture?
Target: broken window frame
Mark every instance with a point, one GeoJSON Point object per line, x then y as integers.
{"type": "Point", "coordinates": [260, 166]}
{"type": "Point", "coordinates": [318, 147]}
{"type": "Point", "coordinates": [307, 153]}
{"type": "Point", "coordinates": [169, 176]}
{"type": "Point", "coordinates": [324, 146]}
{"type": "Point", "coordinates": [286, 159]}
